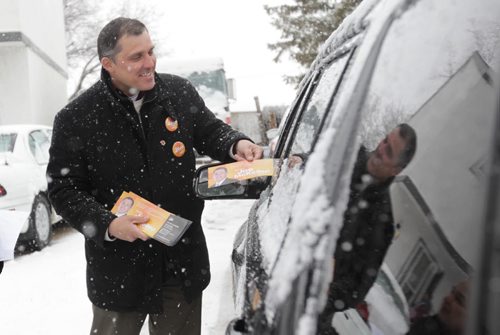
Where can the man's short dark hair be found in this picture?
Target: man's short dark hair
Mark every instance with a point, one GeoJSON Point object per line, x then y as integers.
{"type": "Point", "coordinates": [108, 37]}
{"type": "Point", "coordinates": [409, 135]}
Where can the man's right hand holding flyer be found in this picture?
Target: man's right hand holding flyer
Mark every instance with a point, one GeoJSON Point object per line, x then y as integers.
{"type": "Point", "coordinates": [126, 228]}
{"type": "Point", "coordinates": [246, 150]}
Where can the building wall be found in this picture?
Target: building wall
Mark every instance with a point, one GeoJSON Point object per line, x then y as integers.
{"type": "Point", "coordinates": [14, 85]}
{"type": "Point", "coordinates": [47, 90]}
{"type": "Point", "coordinates": [32, 60]}
{"type": "Point", "coordinates": [248, 123]}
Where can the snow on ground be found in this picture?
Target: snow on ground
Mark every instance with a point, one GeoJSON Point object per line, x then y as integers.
{"type": "Point", "coordinates": [44, 292]}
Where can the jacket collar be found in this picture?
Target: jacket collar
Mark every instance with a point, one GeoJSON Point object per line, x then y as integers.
{"type": "Point", "coordinates": [116, 93]}
{"type": "Point", "coordinates": [159, 94]}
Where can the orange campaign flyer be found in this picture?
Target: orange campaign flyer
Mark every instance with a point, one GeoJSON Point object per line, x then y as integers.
{"type": "Point", "coordinates": [162, 225]}
{"type": "Point", "coordinates": [230, 173]}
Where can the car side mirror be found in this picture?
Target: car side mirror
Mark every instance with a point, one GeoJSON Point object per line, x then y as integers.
{"type": "Point", "coordinates": [236, 189]}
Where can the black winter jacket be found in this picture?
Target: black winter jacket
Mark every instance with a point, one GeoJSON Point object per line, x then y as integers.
{"type": "Point", "coordinates": [364, 239]}
{"type": "Point", "coordinates": [99, 149]}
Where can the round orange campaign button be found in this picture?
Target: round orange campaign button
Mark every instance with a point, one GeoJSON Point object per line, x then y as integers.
{"type": "Point", "coordinates": [171, 124]}
{"type": "Point", "coordinates": [178, 149]}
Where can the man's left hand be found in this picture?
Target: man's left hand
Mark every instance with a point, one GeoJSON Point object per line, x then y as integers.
{"type": "Point", "coordinates": [246, 150]}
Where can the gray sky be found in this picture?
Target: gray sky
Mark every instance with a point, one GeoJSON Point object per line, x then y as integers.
{"type": "Point", "coordinates": [238, 32]}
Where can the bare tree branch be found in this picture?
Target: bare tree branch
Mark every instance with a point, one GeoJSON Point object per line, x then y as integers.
{"type": "Point", "coordinates": [90, 67]}
{"type": "Point", "coordinates": [83, 21]}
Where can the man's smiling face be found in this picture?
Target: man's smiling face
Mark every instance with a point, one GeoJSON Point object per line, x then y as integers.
{"type": "Point", "coordinates": [132, 67]}
{"type": "Point", "coordinates": [384, 162]}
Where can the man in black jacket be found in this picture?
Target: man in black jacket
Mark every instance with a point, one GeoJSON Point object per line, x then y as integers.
{"type": "Point", "coordinates": [368, 229]}
{"type": "Point", "coordinates": [135, 130]}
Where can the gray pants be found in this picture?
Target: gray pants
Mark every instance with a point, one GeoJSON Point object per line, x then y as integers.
{"type": "Point", "coordinates": [178, 318]}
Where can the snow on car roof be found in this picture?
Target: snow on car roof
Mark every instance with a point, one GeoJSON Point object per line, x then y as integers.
{"type": "Point", "coordinates": [21, 128]}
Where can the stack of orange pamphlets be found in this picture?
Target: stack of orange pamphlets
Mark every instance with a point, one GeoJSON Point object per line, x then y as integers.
{"type": "Point", "coordinates": [163, 226]}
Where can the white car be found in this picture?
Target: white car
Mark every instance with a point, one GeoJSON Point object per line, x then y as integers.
{"type": "Point", "coordinates": [24, 154]}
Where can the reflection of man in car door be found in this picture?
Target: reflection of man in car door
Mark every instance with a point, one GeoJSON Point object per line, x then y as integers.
{"type": "Point", "coordinates": [450, 320]}
{"type": "Point", "coordinates": [368, 228]}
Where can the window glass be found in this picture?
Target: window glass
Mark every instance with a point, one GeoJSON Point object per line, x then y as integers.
{"type": "Point", "coordinates": [274, 216]}
{"type": "Point", "coordinates": [39, 144]}
{"type": "Point", "coordinates": [7, 142]}
{"type": "Point", "coordinates": [317, 106]}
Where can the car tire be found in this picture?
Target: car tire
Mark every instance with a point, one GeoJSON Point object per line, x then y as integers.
{"type": "Point", "coordinates": [40, 223]}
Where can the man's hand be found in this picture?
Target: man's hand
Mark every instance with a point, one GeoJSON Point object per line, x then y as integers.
{"type": "Point", "coordinates": [125, 228]}
{"type": "Point", "coordinates": [246, 150]}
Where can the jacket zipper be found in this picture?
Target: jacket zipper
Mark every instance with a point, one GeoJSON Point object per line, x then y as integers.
{"type": "Point", "coordinates": [142, 127]}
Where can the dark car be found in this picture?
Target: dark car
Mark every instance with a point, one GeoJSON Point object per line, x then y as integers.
{"type": "Point", "coordinates": [434, 66]}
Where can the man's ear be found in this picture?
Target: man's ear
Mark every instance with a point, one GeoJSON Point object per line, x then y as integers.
{"type": "Point", "coordinates": [107, 63]}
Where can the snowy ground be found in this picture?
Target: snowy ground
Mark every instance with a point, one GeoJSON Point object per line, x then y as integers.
{"type": "Point", "coordinates": [44, 292]}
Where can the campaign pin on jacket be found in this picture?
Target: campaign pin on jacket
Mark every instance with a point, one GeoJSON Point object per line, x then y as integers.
{"type": "Point", "coordinates": [162, 142]}
{"type": "Point", "coordinates": [171, 124]}
{"type": "Point", "coordinates": [178, 149]}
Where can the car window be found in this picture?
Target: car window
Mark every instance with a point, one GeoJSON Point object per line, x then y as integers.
{"type": "Point", "coordinates": [274, 215]}
{"type": "Point", "coordinates": [7, 142]}
{"type": "Point", "coordinates": [39, 143]}
{"type": "Point", "coordinates": [317, 106]}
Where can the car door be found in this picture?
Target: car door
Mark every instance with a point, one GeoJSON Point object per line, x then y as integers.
{"type": "Point", "coordinates": [439, 80]}
{"type": "Point", "coordinates": [268, 223]}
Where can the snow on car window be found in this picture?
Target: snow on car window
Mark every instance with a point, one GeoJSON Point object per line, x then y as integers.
{"type": "Point", "coordinates": [274, 217]}
{"type": "Point", "coordinates": [312, 216]}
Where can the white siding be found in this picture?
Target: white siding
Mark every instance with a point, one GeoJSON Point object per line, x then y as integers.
{"type": "Point", "coordinates": [32, 61]}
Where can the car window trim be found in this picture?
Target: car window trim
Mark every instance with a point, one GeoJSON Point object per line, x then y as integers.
{"type": "Point", "coordinates": [328, 113]}
{"type": "Point", "coordinates": [305, 102]}
{"type": "Point", "coordinates": [294, 115]}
